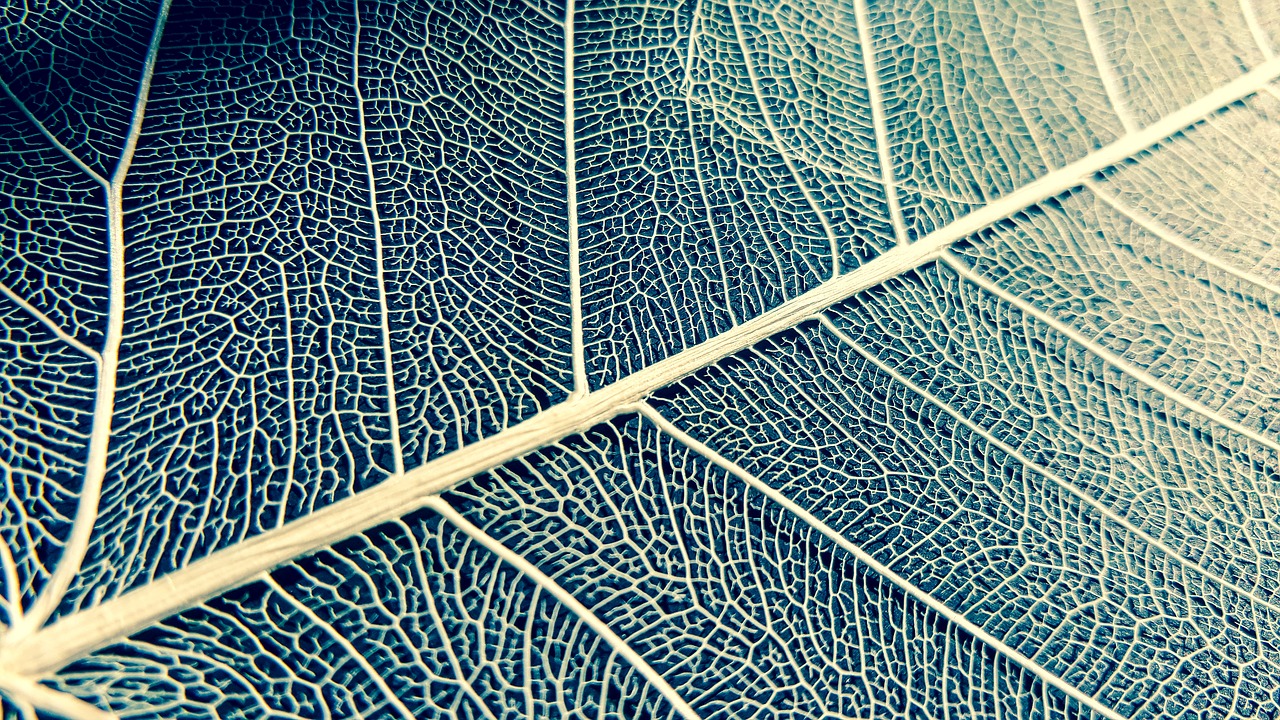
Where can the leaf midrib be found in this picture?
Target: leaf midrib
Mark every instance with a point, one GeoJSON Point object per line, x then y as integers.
{"type": "Point", "coordinates": [73, 636]}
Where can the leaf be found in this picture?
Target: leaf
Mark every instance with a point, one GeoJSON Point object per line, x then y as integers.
{"type": "Point", "coordinates": [688, 359]}
{"type": "Point", "coordinates": [409, 620]}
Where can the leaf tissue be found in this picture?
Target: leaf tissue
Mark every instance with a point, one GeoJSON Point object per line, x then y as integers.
{"type": "Point", "coordinates": [698, 359]}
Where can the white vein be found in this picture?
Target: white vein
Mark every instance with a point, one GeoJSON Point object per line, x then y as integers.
{"type": "Point", "coordinates": [1075, 173]}
{"type": "Point", "coordinates": [577, 345]}
{"type": "Point", "coordinates": [49, 323]}
{"type": "Point", "coordinates": [879, 568]}
{"type": "Point", "coordinates": [388, 371]}
{"type": "Point", "coordinates": [708, 217]}
{"type": "Point", "coordinates": [12, 589]}
{"type": "Point", "coordinates": [73, 636]}
{"type": "Point", "coordinates": [863, 18]}
{"type": "Point", "coordinates": [1166, 234]}
{"type": "Point", "coordinates": [290, 399]}
{"type": "Point", "coordinates": [53, 140]}
{"type": "Point", "coordinates": [1044, 472]}
{"type": "Point", "coordinates": [542, 580]}
{"type": "Point", "coordinates": [342, 642]}
{"type": "Point", "coordinates": [1255, 28]}
{"type": "Point", "coordinates": [1124, 366]}
{"type": "Point", "coordinates": [1106, 71]}
{"type": "Point", "coordinates": [776, 137]}
{"type": "Point", "coordinates": [86, 516]}
{"type": "Point", "coordinates": [27, 691]}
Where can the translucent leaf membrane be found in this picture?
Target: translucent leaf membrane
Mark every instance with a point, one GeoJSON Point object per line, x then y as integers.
{"type": "Point", "coordinates": [409, 620]}
{"type": "Point", "coordinates": [1100, 583]}
{"type": "Point", "coordinates": [726, 163]}
{"type": "Point", "coordinates": [1204, 332]}
{"type": "Point", "coordinates": [355, 237]}
{"type": "Point", "coordinates": [55, 258]}
{"type": "Point", "coordinates": [68, 83]}
{"type": "Point", "coordinates": [728, 152]}
{"type": "Point", "coordinates": [45, 407]}
{"type": "Point", "coordinates": [982, 97]}
{"type": "Point", "coordinates": [744, 609]}
{"type": "Point", "coordinates": [323, 231]}
{"type": "Point", "coordinates": [1199, 487]}
{"type": "Point", "coordinates": [349, 232]}
{"type": "Point", "coordinates": [1063, 431]}
{"type": "Point", "coordinates": [1164, 55]}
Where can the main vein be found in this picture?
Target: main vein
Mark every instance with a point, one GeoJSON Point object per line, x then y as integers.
{"type": "Point", "coordinates": [78, 634]}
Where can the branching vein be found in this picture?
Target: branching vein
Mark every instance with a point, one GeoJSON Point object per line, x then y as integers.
{"type": "Point", "coordinates": [902, 583]}
{"type": "Point", "coordinates": [40, 651]}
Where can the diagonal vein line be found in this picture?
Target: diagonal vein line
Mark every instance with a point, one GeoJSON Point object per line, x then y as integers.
{"type": "Point", "coordinates": [53, 140]}
{"type": "Point", "coordinates": [49, 323]}
{"type": "Point", "coordinates": [902, 583]}
{"type": "Point", "coordinates": [82, 632]}
{"type": "Point", "coordinates": [1168, 235]}
{"type": "Point", "coordinates": [75, 635]}
{"type": "Point", "coordinates": [108, 361]}
{"type": "Point", "coordinates": [341, 641]}
{"type": "Point", "coordinates": [1255, 29]}
{"type": "Point", "coordinates": [1044, 472]}
{"type": "Point", "coordinates": [542, 580]}
{"type": "Point", "coordinates": [1124, 366]}
{"type": "Point", "coordinates": [1130, 144]}
{"type": "Point", "coordinates": [54, 702]}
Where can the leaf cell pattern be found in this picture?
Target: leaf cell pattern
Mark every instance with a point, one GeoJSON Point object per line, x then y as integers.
{"type": "Point", "coordinates": [683, 359]}
{"type": "Point", "coordinates": [320, 297]}
{"type": "Point", "coordinates": [412, 620]}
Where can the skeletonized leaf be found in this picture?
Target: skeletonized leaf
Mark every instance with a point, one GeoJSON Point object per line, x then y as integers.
{"type": "Point", "coordinates": [821, 359]}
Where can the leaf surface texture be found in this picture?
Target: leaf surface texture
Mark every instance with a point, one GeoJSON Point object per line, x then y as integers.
{"type": "Point", "coordinates": [700, 359]}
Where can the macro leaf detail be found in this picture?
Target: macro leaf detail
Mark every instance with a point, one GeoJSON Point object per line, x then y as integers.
{"type": "Point", "coordinates": [684, 359]}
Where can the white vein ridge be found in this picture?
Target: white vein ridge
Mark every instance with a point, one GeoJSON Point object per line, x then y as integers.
{"type": "Point", "coordinates": [71, 637]}
{"type": "Point", "coordinates": [879, 568]}
{"type": "Point", "coordinates": [544, 581]}
{"type": "Point", "coordinates": [107, 361]}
